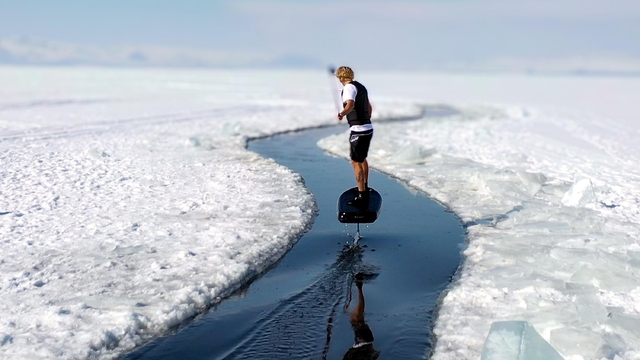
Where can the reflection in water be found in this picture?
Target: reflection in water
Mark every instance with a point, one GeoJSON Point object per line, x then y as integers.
{"type": "Point", "coordinates": [295, 329]}
{"type": "Point", "coordinates": [351, 267]}
{"type": "Point", "coordinates": [362, 348]}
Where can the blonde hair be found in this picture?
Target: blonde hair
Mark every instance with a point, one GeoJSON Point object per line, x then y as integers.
{"type": "Point", "coordinates": [344, 73]}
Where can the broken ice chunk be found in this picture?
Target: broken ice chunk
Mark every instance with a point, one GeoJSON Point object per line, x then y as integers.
{"type": "Point", "coordinates": [580, 194]}
{"type": "Point", "coordinates": [590, 309]}
{"type": "Point", "coordinates": [576, 341]}
{"type": "Point", "coordinates": [532, 181]}
{"type": "Point", "coordinates": [614, 345]}
{"type": "Point", "coordinates": [516, 340]}
{"type": "Point", "coordinates": [625, 324]}
{"type": "Point", "coordinates": [411, 154]}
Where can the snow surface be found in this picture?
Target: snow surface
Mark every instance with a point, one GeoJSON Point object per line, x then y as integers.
{"type": "Point", "coordinates": [128, 202]}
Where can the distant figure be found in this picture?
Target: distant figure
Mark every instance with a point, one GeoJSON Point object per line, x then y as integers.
{"type": "Point", "coordinates": [357, 109]}
{"type": "Point", "coordinates": [362, 348]}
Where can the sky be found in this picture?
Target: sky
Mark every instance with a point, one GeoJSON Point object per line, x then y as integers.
{"type": "Point", "coordinates": [378, 34]}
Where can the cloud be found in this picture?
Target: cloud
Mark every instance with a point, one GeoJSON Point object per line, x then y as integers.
{"type": "Point", "coordinates": [441, 10]}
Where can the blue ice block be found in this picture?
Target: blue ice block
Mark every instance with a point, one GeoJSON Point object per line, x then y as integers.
{"type": "Point", "coordinates": [516, 340]}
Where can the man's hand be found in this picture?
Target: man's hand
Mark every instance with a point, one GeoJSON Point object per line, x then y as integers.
{"type": "Point", "coordinates": [340, 116]}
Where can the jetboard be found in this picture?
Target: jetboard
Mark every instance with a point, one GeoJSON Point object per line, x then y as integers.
{"type": "Point", "coordinates": [361, 215]}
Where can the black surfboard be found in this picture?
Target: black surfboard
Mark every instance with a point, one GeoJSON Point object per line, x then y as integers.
{"type": "Point", "coordinates": [361, 215]}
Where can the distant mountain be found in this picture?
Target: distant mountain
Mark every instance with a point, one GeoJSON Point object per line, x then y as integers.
{"type": "Point", "coordinates": [296, 61]}
{"type": "Point", "coordinates": [34, 51]}
{"type": "Point", "coordinates": [25, 50]}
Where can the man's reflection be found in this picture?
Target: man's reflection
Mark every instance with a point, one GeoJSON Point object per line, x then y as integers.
{"type": "Point", "coordinates": [363, 345]}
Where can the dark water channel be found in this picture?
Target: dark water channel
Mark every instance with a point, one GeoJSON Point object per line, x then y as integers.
{"type": "Point", "coordinates": [303, 308]}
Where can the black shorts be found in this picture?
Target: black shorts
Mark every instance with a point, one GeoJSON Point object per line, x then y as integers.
{"type": "Point", "coordinates": [360, 142]}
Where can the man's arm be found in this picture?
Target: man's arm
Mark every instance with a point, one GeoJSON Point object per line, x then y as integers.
{"type": "Point", "coordinates": [347, 109]}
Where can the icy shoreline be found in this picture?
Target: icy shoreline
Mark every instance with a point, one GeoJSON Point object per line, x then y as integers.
{"type": "Point", "coordinates": [558, 253]}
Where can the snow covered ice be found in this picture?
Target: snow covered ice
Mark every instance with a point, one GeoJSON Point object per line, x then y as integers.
{"type": "Point", "coordinates": [129, 203]}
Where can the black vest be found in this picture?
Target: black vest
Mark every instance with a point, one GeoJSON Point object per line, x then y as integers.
{"type": "Point", "coordinates": [360, 114]}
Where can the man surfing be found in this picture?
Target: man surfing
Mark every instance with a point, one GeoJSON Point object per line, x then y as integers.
{"type": "Point", "coordinates": [357, 109]}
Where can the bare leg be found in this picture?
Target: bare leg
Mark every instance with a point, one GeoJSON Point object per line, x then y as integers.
{"type": "Point", "coordinates": [365, 165]}
{"type": "Point", "coordinates": [360, 173]}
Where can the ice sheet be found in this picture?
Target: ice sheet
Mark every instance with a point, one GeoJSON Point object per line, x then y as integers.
{"type": "Point", "coordinates": [128, 202]}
